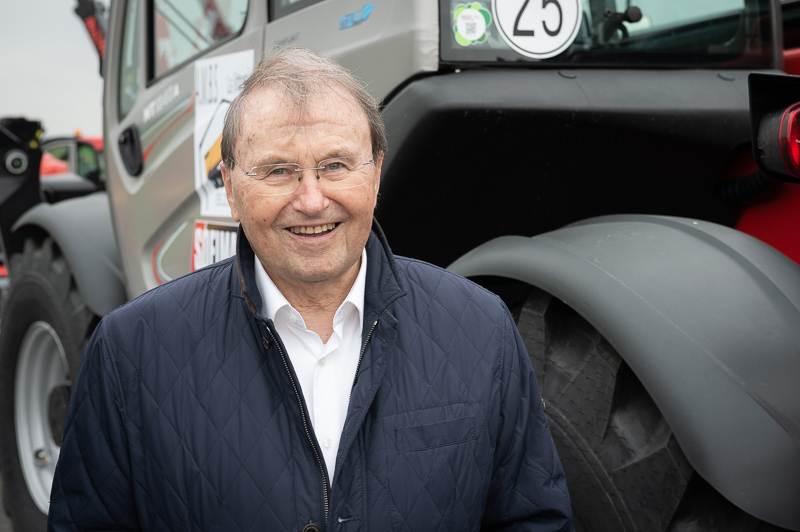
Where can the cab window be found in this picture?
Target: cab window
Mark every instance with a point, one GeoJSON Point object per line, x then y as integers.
{"type": "Point", "coordinates": [60, 152]}
{"type": "Point", "coordinates": [281, 8]}
{"type": "Point", "coordinates": [666, 33]}
{"type": "Point", "coordinates": [89, 162]}
{"type": "Point", "coordinates": [658, 15]}
{"type": "Point", "coordinates": [185, 28]}
{"type": "Point", "coordinates": [129, 64]}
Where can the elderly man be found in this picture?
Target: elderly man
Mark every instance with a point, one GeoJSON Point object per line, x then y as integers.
{"type": "Point", "coordinates": [314, 382]}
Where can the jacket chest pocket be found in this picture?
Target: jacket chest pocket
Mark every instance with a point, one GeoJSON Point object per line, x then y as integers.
{"type": "Point", "coordinates": [432, 435]}
{"type": "Point", "coordinates": [438, 465]}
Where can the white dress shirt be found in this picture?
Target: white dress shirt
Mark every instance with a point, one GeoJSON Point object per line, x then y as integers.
{"type": "Point", "coordinates": [325, 371]}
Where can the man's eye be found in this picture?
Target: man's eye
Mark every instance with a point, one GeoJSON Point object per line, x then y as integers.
{"type": "Point", "coordinates": [275, 171]}
{"type": "Point", "coordinates": [335, 166]}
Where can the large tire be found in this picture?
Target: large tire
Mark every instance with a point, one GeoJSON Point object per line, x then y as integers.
{"type": "Point", "coordinates": [625, 470]}
{"type": "Point", "coordinates": [44, 329]}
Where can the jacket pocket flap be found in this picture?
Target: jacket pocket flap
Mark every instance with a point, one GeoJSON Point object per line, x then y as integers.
{"type": "Point", "coordinates": [419, 437]}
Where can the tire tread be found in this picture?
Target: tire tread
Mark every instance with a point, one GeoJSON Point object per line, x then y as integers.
{"type": "Point", "coordinates": [42, 287]}
{"type": "Point", "coordinates": [625, 469]}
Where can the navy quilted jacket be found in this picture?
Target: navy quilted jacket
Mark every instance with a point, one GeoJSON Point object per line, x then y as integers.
{"type": "Point", "coordinates": [186, 415]}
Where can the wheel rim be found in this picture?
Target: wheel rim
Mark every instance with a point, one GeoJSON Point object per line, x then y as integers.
{"type": "Point", "coordinates": [42, 379]}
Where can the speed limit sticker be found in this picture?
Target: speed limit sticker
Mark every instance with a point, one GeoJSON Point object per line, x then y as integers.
{"type": "Point", "coordinates": [538, 28]}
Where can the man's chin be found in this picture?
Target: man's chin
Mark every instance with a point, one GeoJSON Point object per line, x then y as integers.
{"type": "Point", "coordinates": [313, 272]}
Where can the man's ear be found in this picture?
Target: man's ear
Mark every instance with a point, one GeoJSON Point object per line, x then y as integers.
{"type": "Point", "coordinates": [226, 178]}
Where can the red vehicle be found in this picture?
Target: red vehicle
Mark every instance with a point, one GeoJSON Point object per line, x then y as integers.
{"type": "Point", "coordinates": [72, 166]}
{"type": "Point", "coordinates": [79, 155]}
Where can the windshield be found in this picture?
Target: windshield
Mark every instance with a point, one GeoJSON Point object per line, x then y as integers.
{"type": "Point", "coordinates": [665, 33]}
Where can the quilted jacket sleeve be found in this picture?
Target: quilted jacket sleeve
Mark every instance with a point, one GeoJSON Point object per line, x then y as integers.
{"type": "Point", "coordinates": [92, 487]}
{"type": "Point", "coordinates": [528, 489]}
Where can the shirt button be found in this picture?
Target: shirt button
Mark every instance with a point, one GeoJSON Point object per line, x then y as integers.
{"type": "Point", "coordinates": [292, 318]}
{"type": "Point", "coordinates": [327, 443]}
{"type": "Point", "coordinates": [321, 362]}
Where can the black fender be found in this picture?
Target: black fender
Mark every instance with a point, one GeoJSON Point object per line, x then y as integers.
{"type": "Point", "coordinates": [709, 320]}
{"type": "Point", "coordinates": [83, 230]}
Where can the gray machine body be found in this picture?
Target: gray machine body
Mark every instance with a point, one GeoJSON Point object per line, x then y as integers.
{"type": "Point", "coordinates": [709, 320]}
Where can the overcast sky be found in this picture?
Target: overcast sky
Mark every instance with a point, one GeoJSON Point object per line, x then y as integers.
{"type": "Point", "coordinates": [49, 70]}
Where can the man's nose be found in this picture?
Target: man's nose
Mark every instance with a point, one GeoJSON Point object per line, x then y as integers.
{"type": "Point", "coordinates": [310, 194]}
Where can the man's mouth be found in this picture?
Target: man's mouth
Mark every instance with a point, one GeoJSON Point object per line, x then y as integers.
{"type": "Point", "coordinates": [312, 230]}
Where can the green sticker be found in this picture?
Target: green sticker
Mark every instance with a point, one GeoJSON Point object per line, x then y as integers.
{"type": "Point", "coordinates": [470, 23]}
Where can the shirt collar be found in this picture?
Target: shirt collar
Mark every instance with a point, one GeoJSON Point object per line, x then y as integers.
{"type": "Point", "coordinates": [384, 284]}
{"type": "Point", "coordinates": [273, 300]}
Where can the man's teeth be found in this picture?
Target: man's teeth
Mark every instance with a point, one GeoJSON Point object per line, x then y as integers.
{"type": "Point", "coordinates": [305, 230]}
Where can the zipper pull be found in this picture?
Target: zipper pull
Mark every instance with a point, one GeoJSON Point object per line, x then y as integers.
{"type": "Point", "coordinates": [265, 342]}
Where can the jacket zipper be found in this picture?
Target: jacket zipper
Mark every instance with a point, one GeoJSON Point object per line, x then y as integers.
{"type": "Point", "coordinates": [305, 425]}
{"type": "Point", "coordinates": [361, 355]}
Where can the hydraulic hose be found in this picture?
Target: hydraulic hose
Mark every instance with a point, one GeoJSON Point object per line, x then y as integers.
{"type": "Point", "coordinates": [744, 189]}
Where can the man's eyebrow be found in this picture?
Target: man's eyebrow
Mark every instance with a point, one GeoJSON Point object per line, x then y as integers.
{"type": "Point", "coordinates": [339, 152]}
{"type": "Point", "coordinates": [330, 154]}
{"type": "Point", "coordinates": [272, 159]}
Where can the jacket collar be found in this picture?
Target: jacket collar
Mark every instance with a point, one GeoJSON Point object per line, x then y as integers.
{"type": "Point", "coordinates": [384, 282]}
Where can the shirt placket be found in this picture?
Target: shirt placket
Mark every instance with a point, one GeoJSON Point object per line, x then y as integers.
{"type": "Point", "coordinates": [327, 400]}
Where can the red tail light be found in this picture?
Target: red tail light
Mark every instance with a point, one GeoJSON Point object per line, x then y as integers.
{"type": "Point", "coordinates": [778, 143]}
{"type": "Point", "coordinates": [789, 139]}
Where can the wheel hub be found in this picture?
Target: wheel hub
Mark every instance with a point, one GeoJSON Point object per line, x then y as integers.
{"type": "Point", "coordinates": [41, 394]}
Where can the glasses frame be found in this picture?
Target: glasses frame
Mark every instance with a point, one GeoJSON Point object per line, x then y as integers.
{"type": "Point", "coordinates": [299, 171]}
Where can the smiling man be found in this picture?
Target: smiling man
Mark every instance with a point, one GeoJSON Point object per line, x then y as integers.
{"type": "Point", "coordinates": [315, 381]}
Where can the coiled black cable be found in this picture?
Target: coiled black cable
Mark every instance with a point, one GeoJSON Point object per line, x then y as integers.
{"type": "Point", "coordinates": [744, 189]}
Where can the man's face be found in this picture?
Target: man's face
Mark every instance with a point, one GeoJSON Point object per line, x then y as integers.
{"type": "Point", "coordinates": [278, 226]}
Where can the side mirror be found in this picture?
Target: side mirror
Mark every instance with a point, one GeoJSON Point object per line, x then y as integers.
{"type": "Point", "coordinates": [775, 124]}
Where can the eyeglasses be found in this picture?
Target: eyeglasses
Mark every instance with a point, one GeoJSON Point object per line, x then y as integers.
{"type": "Point", "coordinates": [335, 173]}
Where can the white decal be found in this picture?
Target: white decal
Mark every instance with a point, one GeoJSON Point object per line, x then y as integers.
{"type": "Point", "coordinates": [212, 242]}
{"type": "Point", "coordinates": [166, 97]}
{"type": "Point", "coordinates": [216, 83]}
{"type": "Point", "coordinates": [538, 28]}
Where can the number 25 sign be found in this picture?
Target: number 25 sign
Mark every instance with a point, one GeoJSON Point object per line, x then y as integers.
{"type": "Point", "coordinates": [538, 28]}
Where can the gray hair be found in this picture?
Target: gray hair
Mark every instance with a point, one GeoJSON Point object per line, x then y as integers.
{"type": "Point", "coordinates": [300, 73]}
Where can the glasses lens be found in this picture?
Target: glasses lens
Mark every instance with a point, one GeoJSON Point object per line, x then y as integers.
{"type": "Point", "coordinates": [335, 173]}
{"type": "Point", "coordinates": [279, 179]}
{"type": "Point", "coordinates": [343, 172]}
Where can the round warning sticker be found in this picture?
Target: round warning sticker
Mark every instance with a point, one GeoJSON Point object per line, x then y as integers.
{"type": "Point", "coordinates": [538, 28]}
{"type": "Point", "coordinates": [470, 23]}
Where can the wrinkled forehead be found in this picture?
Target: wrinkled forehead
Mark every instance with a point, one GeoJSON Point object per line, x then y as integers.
{"type": "Point", "coordinates": [278, 109]}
